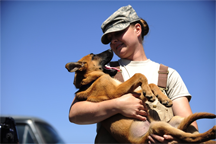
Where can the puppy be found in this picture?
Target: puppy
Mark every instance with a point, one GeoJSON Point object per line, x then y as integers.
{"type": "Point", "coordinates": [95, 83]}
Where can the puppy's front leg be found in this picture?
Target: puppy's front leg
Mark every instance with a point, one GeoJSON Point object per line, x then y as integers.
{"type": "Point", "coordinates": [131, 84]}
{"type": "Point", "coordinates": [161, 96]}
{"type": "Point", "coordinates": [91, 77]}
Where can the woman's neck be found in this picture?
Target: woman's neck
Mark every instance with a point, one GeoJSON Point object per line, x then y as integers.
{"type": "Point", "coordinates": [138, 55]}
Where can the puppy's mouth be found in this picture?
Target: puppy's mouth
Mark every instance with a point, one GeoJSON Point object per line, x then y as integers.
{"type": "Point", "coordinates": [111, 68]}
{"type": "Point", "coordinates": [106, 58]}
{"type": "Point", "coordinates": [112, 71]}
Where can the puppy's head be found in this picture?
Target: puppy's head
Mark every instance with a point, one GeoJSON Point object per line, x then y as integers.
{"type": "Point", "coordinates": [88, 64]}
{"type": "Point", "coordinates": [92, 62]}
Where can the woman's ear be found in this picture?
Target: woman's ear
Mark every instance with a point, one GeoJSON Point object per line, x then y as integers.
{"type": "Point", "coordinates": [138, 29]}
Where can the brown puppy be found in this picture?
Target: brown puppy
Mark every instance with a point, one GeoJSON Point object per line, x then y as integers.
{"type": "Point", "coordinates": [96, 85]}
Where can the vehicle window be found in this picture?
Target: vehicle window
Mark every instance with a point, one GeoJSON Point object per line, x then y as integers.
{"type": "Point", "coordinates": [48, 133]}
{"type": "Point", "coordinates": [25, 134]}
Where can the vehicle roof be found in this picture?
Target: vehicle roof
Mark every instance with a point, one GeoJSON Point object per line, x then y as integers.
{"type": "Point", "coordinates": [24, 118]}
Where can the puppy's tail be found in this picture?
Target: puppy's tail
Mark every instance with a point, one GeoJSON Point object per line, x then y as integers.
{"type": "Point", "coordinates": [188, 120]}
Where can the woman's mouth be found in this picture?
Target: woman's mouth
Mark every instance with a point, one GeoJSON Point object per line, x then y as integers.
{"type": "Point", "coordinates": [119, 46]}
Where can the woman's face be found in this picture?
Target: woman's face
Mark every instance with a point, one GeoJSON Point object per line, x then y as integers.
{"type": "Point", "coordinates": [124, 42]}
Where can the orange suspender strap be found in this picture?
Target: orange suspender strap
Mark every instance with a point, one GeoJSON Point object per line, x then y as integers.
{"type": "Point", "coordinates": [162, 76]}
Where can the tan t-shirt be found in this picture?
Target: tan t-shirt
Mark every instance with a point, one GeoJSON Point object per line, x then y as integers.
{"type": "Point", "coordinates": [175, 84]}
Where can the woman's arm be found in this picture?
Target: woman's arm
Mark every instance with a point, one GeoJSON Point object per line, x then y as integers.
{"type": "Point", "coordinates": [85, 112]}
{"type": "Point", "coordinates": [181, 107]}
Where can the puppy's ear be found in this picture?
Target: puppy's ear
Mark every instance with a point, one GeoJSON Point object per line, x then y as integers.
{"type": "Point", "coordinates": [74, 66]}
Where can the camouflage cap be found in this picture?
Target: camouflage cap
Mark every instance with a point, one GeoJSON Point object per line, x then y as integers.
{"type": "Point", "coordinates": [118, 21]}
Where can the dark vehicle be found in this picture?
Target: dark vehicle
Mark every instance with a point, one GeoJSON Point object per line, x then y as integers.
{"type": "Point", "coordinates": [36, 131]}
{"type": "Point", "coordinates": [8, 131]}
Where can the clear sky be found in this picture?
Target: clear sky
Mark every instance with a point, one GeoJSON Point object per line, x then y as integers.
{"type": "Point", "coordinates": [39, 37]}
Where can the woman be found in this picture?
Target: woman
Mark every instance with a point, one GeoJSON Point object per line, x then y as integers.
{"type": "Point", "coordinates": [125, 32]}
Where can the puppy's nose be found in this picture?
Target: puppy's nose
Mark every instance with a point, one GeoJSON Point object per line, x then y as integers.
{"type": "Point", "coordinates": [66, 66]}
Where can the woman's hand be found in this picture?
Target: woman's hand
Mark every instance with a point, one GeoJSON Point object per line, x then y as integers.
{"type": "Point", "coordinates": [131, 106]}
{"type": "Point", "coordinates": [168, 139]}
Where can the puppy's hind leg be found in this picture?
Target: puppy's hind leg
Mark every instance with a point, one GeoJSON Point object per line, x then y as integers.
{"type": "Point", "coordinates": [162, 128]}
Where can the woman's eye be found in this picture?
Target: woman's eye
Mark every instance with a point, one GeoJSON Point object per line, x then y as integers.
{"type": "Point", "coordinates": [119, 33]}
{"type": "Point", "coordinates": [109, 37]}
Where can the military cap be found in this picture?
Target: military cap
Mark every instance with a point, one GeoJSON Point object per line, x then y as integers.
{"type": "Point", "coordinates": [118, 21]}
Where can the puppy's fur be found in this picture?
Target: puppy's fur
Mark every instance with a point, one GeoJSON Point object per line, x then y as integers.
{"type": "Point", "coordinates": [95, 84]}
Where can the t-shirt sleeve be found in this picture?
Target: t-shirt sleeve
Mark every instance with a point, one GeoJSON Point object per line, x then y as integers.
{"type": "Point", "coordinates": [176, 86]}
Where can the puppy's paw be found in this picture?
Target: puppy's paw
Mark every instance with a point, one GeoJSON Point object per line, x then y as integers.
{"type": "Point", "coordinates": [213, 132]}
{"type": "Point", "coordinates": [166, 102]}
{"type": "Point", "coordinates": [214, 129]}
{"type": "Point", "coordinates": [81, 96]}
{"type": "Point", "coordinates": [150, 97]}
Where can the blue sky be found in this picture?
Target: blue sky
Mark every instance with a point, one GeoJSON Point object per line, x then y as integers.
{"type": "Point", "coordinates": [39, 37]}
